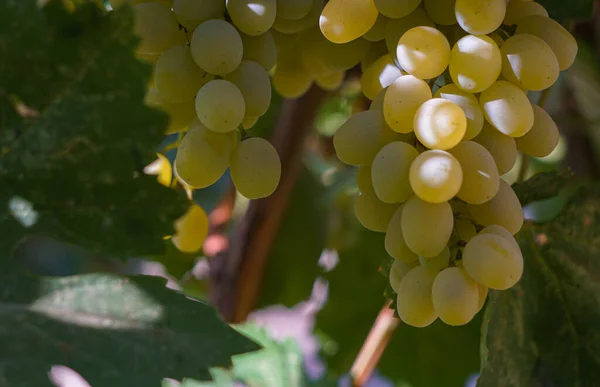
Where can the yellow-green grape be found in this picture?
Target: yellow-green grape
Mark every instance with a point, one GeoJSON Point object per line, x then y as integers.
{"type": "Point", "coordinates": [377, 32]}
{"type": "Point", "coordinates": [441, 11]}
{"type": "Point", "coordinates": [480, 17]}
{"type": "Point", "coordinates": [543, 137]}
{"type": "Point", "coordinates": [529, 62]}
{"type": "Point", "coordinates": [455, 296]}
{"type": "Point", "coordinates": [483, 293]}
{"type": "Point", "coordinates": [372, 213]}
{"type": "Point", "coordinates": [426, 227]}
{"type": "Point", "coordinates": [176, 76]}
{"type": "Point", "coordinates": [375, 50]}
{"type": "Point", "coordinates": [203, 155]}
{"type": "Point", "coordinates": [345, 20]}
{"type": "Point", "coordinates": [260, 49]}
{"type": "Point", "coordinates": [220, 106]}
{"type": "Point", "coordinates": [397, 27]}
{"type": "Point", "coordinates": [398, 270]}
{"type": "Point", "coordinates": [423, 52]}
{"type": "Point", "coordinates": [402, 100]}
{"type": "Point", "coordinates": [502, 147]}
{"type": "Point", "coordinates": [437, 263]}
{"type": "Point", "coordinates": [507, 108]}
{"type": "Point", "coordinates": [440, 124]}
{"type": "Point", "coordinates": [252, 17]}
{"type": "Point", "coordinates": [293, 9]}
{"type": "Point", "coordinates": [191, 230]}
{"type": "Point", "coordinates": [255, 84]}
{"type": "Point", "coordinates": [475, 63]}
{"type": "Point", "coordinates": [556, 36]}
{"type": "Point", "coordinates": [180, 114]}
{"type": "Point", "coordinates": [378, 76]}
{"type": "Point", "coordinates": [249, 122]}
{"type": "Point", "coordinates": [377, 103]}
{"type": "Point", "coordinates": [255, 168]}
{"type": "Point", "coordinates": [330, 81]}
{"type": "Point", "coordinates": [363, 180]}
{"type": "Point", "coordinates": [291, 79]}
{"type": "Point", "coordinates": [389, 172]}
{"type": "Point", "coordinates": [217, 47]}
{"type": "Point", "coordinates": [465, 229]}
{"type": "Point", "coordinates": [493, 261]}
{"type": "Point", "coordinates": [469, 105]}
{"type": "Point", "coordinates": [503, 210]}
{"type": "Point", "coordinates": [190, 13]}
{"type": "Point", "coordinates": [290, 26]}
{"type": "Point", "coordinates": [480, 174]}
{"type": "Point", "coordinates": [501, 231]}
{"type": "Point", "coordinates": [516, 10]}
{"type": "Point", "coordinates": [414, 303]}
{"type": "Point", "coordinates": [435, 176]}
{"type": "Point", "coordinates": [359, 139]}
{"type": "Point", "coordinates": [395, 245]}
{"type": "Point", "coordinates": [396, 9]}
{"type": "Point", "coordinates": [342, 56]}
{"type": "Point", "coordinates": [157, 28]}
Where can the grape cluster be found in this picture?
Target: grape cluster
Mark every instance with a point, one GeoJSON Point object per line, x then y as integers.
{"type": "Point", "coordinates": [450, 84]}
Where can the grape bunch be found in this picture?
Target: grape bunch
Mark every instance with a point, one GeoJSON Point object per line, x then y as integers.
{"type": "Point", "coordinates": [450, 84]}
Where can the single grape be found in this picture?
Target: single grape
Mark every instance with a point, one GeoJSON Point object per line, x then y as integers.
{"type": "Point", "coordinates": [441, 11]}
{"type": "Point", "coordinates": [395, 245]}
{"type": "Point", "coordinates": [180, 114]}
{"type": "Point", "coordinates": [438, 262]}
{"type": "Point", "coordinates": [507, 108]}
{"type": "Point", "coordinates": [435, 176]}
{"type": "Point", "coordinates": [480, 174]}
{"type": "Point", "coordinates": [220, 106]}
{"type": "Point", "coordinates": [402, 100]}
{"type": "Point", "coordinates": [290, 26]}
{"type": "Point", "coordinates": [543, 137]}
{"type": "Point", "coordinates": [363, 180]}
{"type": "Point", "coordinates": [217, 47]}
{"type": "Point", "coordinates": [440, 124]}
{"type": "Point", "coordinates": [330, 81]}
{"type": "Point", "coordinates": [291, 79]}
{"type": "Point", "coordinates": [389, 172]}
{"type": "Point", "coordinates": [377, 32]}
{"type": "Point", "coordinates": [500, 231]}
{"type": "Point", "coordinates": [475, 63]}
{"type": "Point", "coordinates": [465, 229]}
{"type": "Point", "coordinates": [516, 10]}
{"type": "Point", "coordinates": [249, 122]}
{"type": "Point", "coordinates": [293, 9]}
{"type": "Point", "coordinates": [344, 20]}
{"type": "Point", "coordinates": [469, 105]}
{"type": "Point", "coordinates": [529, 62]}
{"type": "Point", "coordinates": [252, 17]}
{"type": "Point", "coordinates": [378, 76]}
{"type": "Point", "coordinates": [396, 9]}
{"type": "Point", "coordinates": [426, 227]}
{"type": "Point", "coordinates": [377, 103]}
{"type": "Point", "coordinates": [502, 147]}
{"type": "Point", "coordinates": [398, 271]}
{"type": "Point", "coordinates": [503, 210]}
{"type": "Point", "coordinates": [397, 27]}
{"type": "Point", "coordinates": [190, 13]}
{"type": "Point", "coordinates": [255, 85]}
{"type": "Point", "coordinates": [455, 296]}
{"type": "Point", "coordinates": [375, 50]}
{"type": "Point", "coordinates": [414, 304]}
{"type": "Point", "coordinates": [480, 17]}
{"type": "Point", "coordinates": [260, 49]}
{"type": "Point", "coordinates": [191, 230]}
{"type": "Point", "coordinates": [372, 213]}
{"type": "Point", "coordinates": [423, 52]}
{"type": "Point", "coordinates": [157, 28]}
{"type": "Point", "coordinates": [255, 168]}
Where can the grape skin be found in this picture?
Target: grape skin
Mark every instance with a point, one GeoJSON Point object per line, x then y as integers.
{"type": "Point", "coordinates": [191, 230]}
{"type": "Point", "coordinates": [543, 137]}
{"type": "Point", "coordinates": [255, 168]}
{"type": "Point", "coordinates": [423, 52]}
{"type": "Point", "coordinates": [426, 227]}
{"type": "Point", "coordinates": [455, 296]}
{"type": "Point", "coordinates": [502, 147]}
{"type": "Point", "coordinates": [217, 56]}
{"type": "Point", "coordinates": [378, 76]}
{"type": "Point", "coordinates": [395, 245]}
{"type": "Point", "coordinates": [437, 263]}
{"type": "Point", "coordinates": [389, 172]}
{"type": "Point", "coordinates": [180, 114]}
{"type": "Point", "coordinates": [480, 175]}
{"type": "Point", "coordinates": [372, 213]}
{"type": "Point", "coordinates": [342, 21]}
{"type": "Point", "coordinates": [516, 10]}
{"type": "Point", "coordinates": [480, 17]}
{"type": "Point", "coordinates": [255, 85]}
{"type": "Point", "coordinates": [435, 176]}
{"type": "Point", "coordinates": [252, 17]}
{"type": "Point", "coordinates": [440, 124]}
{"type": "Point", "coordinates": [190, 13]}
{"type": "Point", "coordinates": [475, 63]}
{"type": "Point", "coordinates": [468, 103]}
{"type": "Point", "coordinates": [157, 28]}
{"type": "Point", "coordinates": [507, 108]}
{"type": "Point", "coordinates": [396, 9]}
{"type": "Point", "coordinates": [260, 49]}
{"type": "Point", "coordinates": [503, 210]}
{"type": "Point", "coordinates": [220, 106]}
{"type": "Point", "coordinates": [397, 27]}
{"type": "Point", "coordinates": [398, 270]}
{"type": "Point", "coordinates": [402, 100]}
{"type": "Point", "coordinates": [414, 303]}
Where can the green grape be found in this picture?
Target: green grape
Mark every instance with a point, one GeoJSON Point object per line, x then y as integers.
{"type": "Point", "coordinates": [503, 210]}
{"type": "Point", "coordinates": [423, 52]}
{"type": "Point", "coordinates": [330, 81]}
{"type": "Point", "coordinates": [483, 292]}
{"type": "Point", "coordinates": [501, 231]}
{"type": "Point", "coordinates": [255, 84]}
{"type": "Point", "coordinates": [320, 56]}
{"type": "Point", "coordinates": [249, 122]}
{"type": "Point", "coordinates": [191, 230]}
{"type": "Point", "coordinates": [377, 32]}
{"type": "Point", "coordinates": [289, 26]}
{"type": "Point", "coordinates": [252, 17]}
{"type": "Point", "coordinates": [395, 245]}
{"type": "Point", "coordinates": [435, 176]}
{"type": "Point", "coordinates": [516, 10]}
{"type": "Point", "coordinates": [529, 62]}
{"type": "Point", "coordinates": [359, 139]}
{"type": "Point", "coordinates": [220, 106]}
{"type": "Point", "coordinates": [414, 303]}
{"type": "Point", "coordinates": [492, 261]}
{"type": "Point", "coordinates": [203, 155]}
{"type": "Point", "coordinates": [363, 180]}
{"type": "Point", "coordinates": [465, 229]}
{"type": "Point", "coordinates": [438, 262]}
{"type": "Point", "coordinates": [502, 147]}
{"type": "Point", "coordinates": [157, 28]}
{"type": "Point", "coordinates": [217, 47]}
{"type": "Point", "coordinates": [260, 49]}
{"type": "Point", "coordinates": [397, 27]}
{"type": "Point", "coordinates": [176, 76]}
{"type": "Point", "coordinates": [372, 213]}
{"type": "Point", "coordinates": [255, 168]}
{"type": "Point", "coordinates": [396, 9]}
{"type": "Point", "coordinates": [190, 13]}
{"type": "Point", "coordinates": [378, 76]}
{"type": "Point", "coordinates": [543, 137]}
{"type": "Point", "coordinates": [390, 172]}
{"type": "Point", "coordinates": [402, 100]}
{"type": "Point", "coordinates": [291, 79]}
{"type": "Point", "coordinates": [455, 296]}
{"type": "Point", "coordinates": [180, 114]}
{"type": "Point", "coordinates": [475, 63]}
{"type": "Point", "coordinates": [440, 124]}
{"type": "Point", "coordinates": [398, 270]}
{"type": "Point", "coordinates": [377, 103]}
{"type": "Point", "coordinates": [375, 50]}
{"type": "Point", "coordinates": [556, 36]}
{"type": "Point", "coordinates": [468, 103]}
{"type": "Point", "coordinates": [441, 11]}
{"type": "Point", "coordinates": [293, 9]}
{"type": "Point", "coordinates": [345, 20]}
{"type": "Point", "coordinates": [426, 227]}
{"type": "Point", "coordinates": [480, 174]}
{"type": "Point", "coordinates": [480, 17]}
{"type": "Point", "coordinates": [507, 108]}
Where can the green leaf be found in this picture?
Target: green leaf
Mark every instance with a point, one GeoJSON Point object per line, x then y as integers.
{"type": "Point", "coordinates": [115, 331]}
{"type": "Point", "coordinates": [543, 185]}
{"type": "Point", "coordinates": [561, 10]}
{"type": "Point", "coordinates": [544, 331]}
{"type": "Point", "coordinates": [75, 133]}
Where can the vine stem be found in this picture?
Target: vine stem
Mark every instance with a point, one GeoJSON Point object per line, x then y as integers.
{"type": "Point", "coordinates": [381, 332]}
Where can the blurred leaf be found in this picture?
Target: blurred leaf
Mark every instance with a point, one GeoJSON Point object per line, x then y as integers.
{"type": "Point", "coordinates": [561, 10]}
{"type": "Point", "coordinates": [543, 185]}
{"type": "Point", "coordinates": [113, 330]}
{"type": "Point", "coordinates": [544, 330]}
{"type": "Point", "coordinates": [75, 133]}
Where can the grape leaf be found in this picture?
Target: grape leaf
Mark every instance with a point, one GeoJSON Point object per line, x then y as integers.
{"type": "Point", "coordinates": [113, 330]}
{"type": "Point", "coordinates": [75, 133]}
{"type": "Point", "coordinates": [544, 331]}
{"type": "Point", "coordinates": [561, 10]}
{"type": "Point", "coordinates": [544, 185]}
